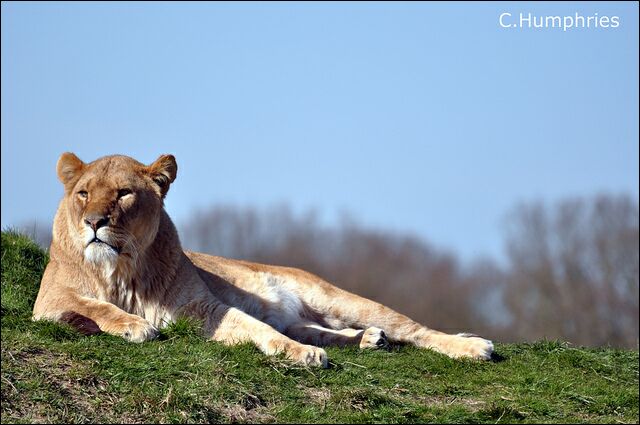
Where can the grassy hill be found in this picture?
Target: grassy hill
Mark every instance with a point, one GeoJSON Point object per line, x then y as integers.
{"type": "Point", "coordinates": [50, 373]}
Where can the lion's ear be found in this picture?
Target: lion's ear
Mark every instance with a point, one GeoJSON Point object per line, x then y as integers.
{"type": "Point", "coordinates": [69, 168]}
{"type": "Point", "coordinates": [163, 171]}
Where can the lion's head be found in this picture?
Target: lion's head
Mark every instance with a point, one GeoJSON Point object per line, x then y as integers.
{"type": "Point", "coordinates": [112, 207]}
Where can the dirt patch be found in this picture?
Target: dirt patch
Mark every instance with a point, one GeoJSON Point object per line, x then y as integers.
{"type": "Point", "coordinates": [471, 404]}
{"type": "Point", "coordinates": [237, 413]}
{"type": "Point", "coordinates": [317, 395]}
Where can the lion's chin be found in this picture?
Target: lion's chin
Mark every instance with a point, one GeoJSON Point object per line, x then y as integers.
{"type": "Point", "coordinates": [102, 255]}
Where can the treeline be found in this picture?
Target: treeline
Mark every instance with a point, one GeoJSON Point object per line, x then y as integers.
{"type": "Point", "coordinates": [571, 271]}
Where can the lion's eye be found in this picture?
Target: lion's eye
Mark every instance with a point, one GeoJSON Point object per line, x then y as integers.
{"type": "Point", "coordinates": [123, 192]}
{"type": "Point", "coordinates": [83, 194]}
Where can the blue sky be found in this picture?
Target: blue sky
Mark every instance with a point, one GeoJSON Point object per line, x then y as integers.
{"type": "Point", "coordinates": [426, 118]}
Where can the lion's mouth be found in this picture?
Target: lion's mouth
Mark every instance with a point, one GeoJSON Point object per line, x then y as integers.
{"type": "Point", "coordinates": [99, 241]}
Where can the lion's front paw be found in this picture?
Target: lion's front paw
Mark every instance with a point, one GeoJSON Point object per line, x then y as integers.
{"type": "Point", "coordinates": [374, 338]}
{"type": "Point", "coordinates": [308, 355]}
{"type": "Point", "coordinates": [137, 329]}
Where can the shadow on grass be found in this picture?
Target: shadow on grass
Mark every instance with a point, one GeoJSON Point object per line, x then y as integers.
{"type": "Point", "coordinates": [497, 358]}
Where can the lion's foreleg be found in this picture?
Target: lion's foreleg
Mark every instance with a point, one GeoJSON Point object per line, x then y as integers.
{"type": "Point", "coordinates": [313, 333]}
{"type": "Point", "coordinates": [84, 313]}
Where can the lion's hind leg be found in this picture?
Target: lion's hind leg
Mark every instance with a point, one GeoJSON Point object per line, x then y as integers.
{"type": "Point", "coordinates": [313, 333]}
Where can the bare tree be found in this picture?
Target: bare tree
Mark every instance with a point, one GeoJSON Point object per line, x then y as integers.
{"type": "Point", "coordinates": [574, 271]}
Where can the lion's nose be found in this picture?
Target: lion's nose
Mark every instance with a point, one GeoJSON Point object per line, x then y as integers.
{"type": "Point", "coordinates": [96, 221]}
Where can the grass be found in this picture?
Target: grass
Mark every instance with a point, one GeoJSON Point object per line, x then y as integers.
{"type": "Point", "coordinates": [50, 373]}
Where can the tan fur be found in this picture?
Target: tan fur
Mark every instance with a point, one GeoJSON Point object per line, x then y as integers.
{"type": "Point", "coordinates": [117, 265]}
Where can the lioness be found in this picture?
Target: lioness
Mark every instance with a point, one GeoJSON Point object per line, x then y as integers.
{"type": "Point", "coordinates": [117, 266]}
